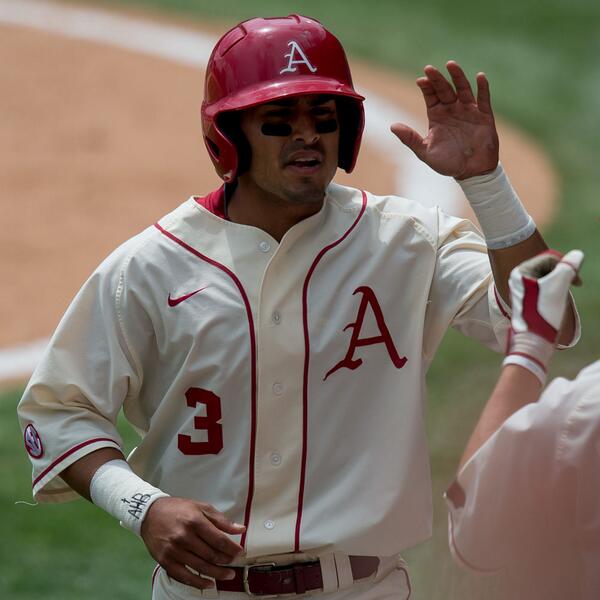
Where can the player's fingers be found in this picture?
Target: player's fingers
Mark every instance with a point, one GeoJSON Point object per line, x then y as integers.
{"type": "Point", "coordinates": [445, 92]}
{"type": "Point", "coordinates": [188, 576]}
{"type": "Point", "coordinates": [484, 101]}
{"type": "Point", "coordinates": [223, 523]}
{"type": "Point", "coordinates": [461, 83]}
{"type": "Point", "coordinates": [206, 568]}
{"type": "Point", "coordinates": [199, 547]}
{"type": "Point", "coordinates": [217, 539]}
{"type": "Point", "coordinates": [429, 94]}
{"type": "Point", "coordinates": [409, 137]}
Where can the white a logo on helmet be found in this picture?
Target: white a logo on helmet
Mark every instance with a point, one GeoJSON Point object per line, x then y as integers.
{"type": "Point", "coordinates": [293, 61]}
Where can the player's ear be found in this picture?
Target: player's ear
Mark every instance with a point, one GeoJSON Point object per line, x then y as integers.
{"type": "Point", "coordinates": [230, 124]}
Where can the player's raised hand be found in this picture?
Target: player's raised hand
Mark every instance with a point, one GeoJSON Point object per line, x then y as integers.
{"type": "Point", "coordinates": [189, 540]}
{"type": "Point", "coordinates": [462, 140]}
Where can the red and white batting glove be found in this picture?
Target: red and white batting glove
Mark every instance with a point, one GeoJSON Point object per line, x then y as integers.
{"type": "Point", "coordinates": [539, 289]}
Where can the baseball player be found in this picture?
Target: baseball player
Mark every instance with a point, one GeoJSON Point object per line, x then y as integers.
{"type": "Point", "coordinates": [270, 339]}
{"type": "Point", "coordinates": [525, 502]}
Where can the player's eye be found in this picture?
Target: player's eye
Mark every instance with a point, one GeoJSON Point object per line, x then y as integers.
{"type": "Point", "coordinates": [278, 113]}
{"type": "Point", "coordinates": [323, 111]}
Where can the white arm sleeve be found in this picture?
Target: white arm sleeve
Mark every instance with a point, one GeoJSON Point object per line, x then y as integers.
{"type": "Point", "coordinates": [72, 401]}
{"type": "Point", "coordinates": [462, 293]}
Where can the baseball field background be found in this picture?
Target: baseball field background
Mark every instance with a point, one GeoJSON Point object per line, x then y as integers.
{"type": "Point", "coordinates": [542, 59]}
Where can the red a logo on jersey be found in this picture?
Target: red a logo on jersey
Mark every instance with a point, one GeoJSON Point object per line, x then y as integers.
{"type": "Point", "coordinates": [349, 362]}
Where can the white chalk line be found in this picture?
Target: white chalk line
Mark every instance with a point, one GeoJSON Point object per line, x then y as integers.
{"type": "Point", "coordinates": [413, 178]}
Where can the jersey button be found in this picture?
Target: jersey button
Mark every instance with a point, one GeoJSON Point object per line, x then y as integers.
{"type": "Point", "coordinates": [264, 246]}
{"type": "Point", "coordinates": [278, 388]}
{"type": "Point", "coordinates": [268, 524]}
{"type": "Point", "coordinates": [276, 317]}
{"type": "Point", "coordinates": [275, 459]}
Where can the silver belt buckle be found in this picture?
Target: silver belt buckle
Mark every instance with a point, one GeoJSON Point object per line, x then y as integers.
{"type": "Point", "coordinates": [247, 569]}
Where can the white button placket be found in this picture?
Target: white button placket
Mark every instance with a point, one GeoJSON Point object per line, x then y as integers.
{"type": "Point", "coordinates": [279, 414]}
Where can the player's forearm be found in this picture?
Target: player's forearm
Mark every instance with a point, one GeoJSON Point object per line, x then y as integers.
{"type": "Point", "coordinates": [516, 387]}
{"type": "Point", "coordinates": [509, 232]}
{"type": "Point", "coordinates": [504, 260]}
{"type": "Point", "coordinates": [80, 473]}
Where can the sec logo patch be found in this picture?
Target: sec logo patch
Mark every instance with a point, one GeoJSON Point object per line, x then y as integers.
{"type": "Point", "coordinates": [33, 442]}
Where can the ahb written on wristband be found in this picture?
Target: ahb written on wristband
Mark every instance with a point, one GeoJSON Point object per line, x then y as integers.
{"type": "Point", "coordinates": [501, 215]}
{"type": "Point", "coordinates": [121, 493]}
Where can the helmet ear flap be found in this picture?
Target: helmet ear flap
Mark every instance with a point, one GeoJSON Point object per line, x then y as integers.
{"type": "Point", "coordinates": [351, 120]}
{"type": "Point", "coordinates": [222, 152]}
{"type": "Point", "coordinates": [229, 124]}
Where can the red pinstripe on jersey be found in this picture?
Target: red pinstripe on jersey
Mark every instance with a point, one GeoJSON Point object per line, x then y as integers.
{"type": "Point", "coordinates": [500, 305]}
{"type": "Point", "coordinates": [68, 453]}
{"type": "Point", "coordinates": [244, 296]}
{"type": "Point", "coordinates": [306, 365]}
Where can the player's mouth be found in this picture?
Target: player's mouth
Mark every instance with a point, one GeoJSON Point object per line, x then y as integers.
{"type": "Point", "coordinates": [304, 163]}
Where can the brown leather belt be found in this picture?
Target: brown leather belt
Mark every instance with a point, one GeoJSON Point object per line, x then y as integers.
{"type": "Point", "coordinates": [269, 579]}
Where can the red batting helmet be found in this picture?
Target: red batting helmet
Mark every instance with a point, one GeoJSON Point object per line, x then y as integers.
{"type": "Point", "coordinates": [266, 59]}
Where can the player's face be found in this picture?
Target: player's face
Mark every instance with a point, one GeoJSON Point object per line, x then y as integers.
{"type": "Point", "coordinates": [294, 145]}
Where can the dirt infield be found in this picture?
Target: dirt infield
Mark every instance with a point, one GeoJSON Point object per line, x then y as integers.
{"type": "Point", "coordinates": [98, 142]}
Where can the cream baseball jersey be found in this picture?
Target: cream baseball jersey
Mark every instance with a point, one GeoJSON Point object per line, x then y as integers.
{"type": "Point", "coordinates": [284, 383]}
{"type": "Point", "coordinates": [527, 502]}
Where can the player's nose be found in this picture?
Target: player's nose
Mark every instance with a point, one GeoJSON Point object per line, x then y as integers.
{"type": "Point", "coordinates": [304, 129]}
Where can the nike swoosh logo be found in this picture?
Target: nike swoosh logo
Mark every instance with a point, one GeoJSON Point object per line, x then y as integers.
{"type": "Point", "coordinates": [176, 301]}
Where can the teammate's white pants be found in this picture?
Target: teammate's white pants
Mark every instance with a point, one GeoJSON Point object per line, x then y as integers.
{"type": "Point", "coordinates": [391, 582]}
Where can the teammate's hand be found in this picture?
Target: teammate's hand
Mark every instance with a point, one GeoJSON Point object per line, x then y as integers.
{"type": "Point", "coordinates": [462, 140]}
{"type": "Point", "coordinates": [189, 539]}
{"type": "Point", "coordinates": [539, 289]}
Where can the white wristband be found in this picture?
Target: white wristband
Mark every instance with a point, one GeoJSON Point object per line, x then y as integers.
{"type": "Point", "coordinates": [501, 215]}
{"type": "Point", "coordinates": [529, 351]}
{"type": "Point", "coordinates": [121, 493]}
{"type": "Point", "coordinates": [526, 363]}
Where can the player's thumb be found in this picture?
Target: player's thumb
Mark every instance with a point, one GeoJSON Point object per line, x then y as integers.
{"type": "Point", "coordinates": [409, 137]}
{"type": "Point", "coordinates": [568, 267]}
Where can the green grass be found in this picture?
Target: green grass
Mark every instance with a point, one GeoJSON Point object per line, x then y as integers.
{"type": "Point", "coordinates": [542, 61]}
{"type": "Point", "coordinates": [60, 551]}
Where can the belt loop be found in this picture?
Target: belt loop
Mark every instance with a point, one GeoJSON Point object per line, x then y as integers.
{"type": "Point", "coordinates": [329, 573]}
{"type": "Point", "coordinates": [299, 579]}
{"type": "Point", "coordinates": [344, 571]}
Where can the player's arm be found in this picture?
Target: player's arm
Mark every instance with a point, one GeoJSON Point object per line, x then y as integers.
{"type": "Point", "coordinates": [539, 290]}
{"type": "Point", "coordinates": [515, 388]}
{"type": "Point", "coordinates": [180, 534]}
{"type": "Point", "coordinates": [462, 142]}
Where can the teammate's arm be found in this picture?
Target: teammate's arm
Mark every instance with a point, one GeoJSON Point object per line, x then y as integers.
{"type": "Point", "coordinates": [462, 142]}
{"type": "Point", "coordinates": [189, 539]}
{"type": "Point", "coordinates": [539, 290]}
{"type": "Point", "coordinates": [515, 388]}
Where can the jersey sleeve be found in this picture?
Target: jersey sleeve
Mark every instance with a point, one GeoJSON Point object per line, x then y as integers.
{"type": "Point", "coordinates": [462, 293]}
{"type": "Point", "coordinates": [503, 499]}
{"type": "Point", "coordinates": [71, 404]}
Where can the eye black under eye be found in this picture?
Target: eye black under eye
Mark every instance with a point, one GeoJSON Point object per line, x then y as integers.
{"type": "Point", "coordinates": [276, 129]}
{"type": "Point", "coordinates": [327, 126]}
{"type": "Point", "coordinates": [285, 129]}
